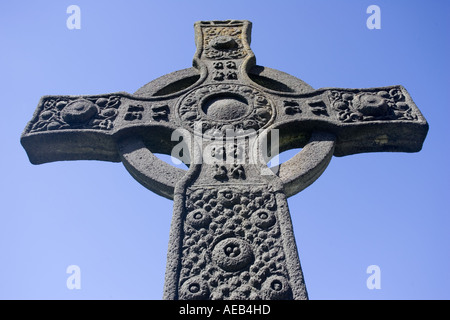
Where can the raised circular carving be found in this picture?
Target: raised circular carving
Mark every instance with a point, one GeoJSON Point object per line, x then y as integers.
{"type": "Point", "coordinates": [194, 289]}
{"type": "Point", "coordinates": [228, 107]}
{"type": "Point", "coordinates": [227, 197]}
{"type": "Point", "coordinates": [263, 218]}
{"type": "Point", "coordinates": [223, 43]}
{"type": "Point", "coordinates": [372, 105]}
{"type": "Point", "coordinates": [198, 218]}
{"type": "Point", "coordinates": [276, 288]}
{"type": "Point", "coordinates": [221, 107]}
{"type": "Point", "coordinates": [233, 254]}
{"type": "Point", "coordinates": [79, 111]}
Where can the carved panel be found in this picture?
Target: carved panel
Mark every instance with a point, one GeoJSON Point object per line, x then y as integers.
{"type": "Point", "coordinates": [318, 107]}
{"type": "Point", "coordinates": [134, 112]}
{"type": "Point", "coordinates": [160, 112]}
{"type": "Point", "coordinates": [232, 246]}
{"type": "Point", "coordinates": [58, 113]}
{"type": "Point", "coordinates": [225, 71]}
{"type": "Point", "coordinates": [223, 42]}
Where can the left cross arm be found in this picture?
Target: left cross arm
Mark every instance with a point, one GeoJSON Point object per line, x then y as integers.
{"type": "Point", "coordinates": [87, 127]}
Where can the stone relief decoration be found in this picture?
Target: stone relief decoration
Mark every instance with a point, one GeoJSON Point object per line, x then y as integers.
{"type": "Point", "coordinates": [291, 107]}
{"type": "Point", "coordinates": [224, 107]}
{"type": "Point", "coordinates": [134, 112]}
{"type": "Point", "coordinates": [237, 171]}
{"type": "Point", "coordinates": [58, 113]}
{"type": "Point", "coordinates": [232, 246]}
{"type": "Point", "coordinates": [318, 107]}
{"type": "Point", "coordinates": [227, 163]}
{"type": "Point", "coordinates": [221, 172]}
{"type": "Point", "coordinates": [371, 105]}
{"type": "Point", "coordinates": [223, 42]}
{"type": "Point", "coordinates": [233, 153]}
{"type": "Point", "coordinates": [160, 112]}
{"type": "Point", "coordinates": [225, 71]}
{"type": "Point", "coordinates": [157, 112]}
{"type": "Point", "coordinates": [226, 172]}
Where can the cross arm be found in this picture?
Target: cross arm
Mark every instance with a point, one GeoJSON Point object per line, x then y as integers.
{"type": "Point", "coordinates": [363, 120]}
{"type": "Point", "coordinates": [89, 127]}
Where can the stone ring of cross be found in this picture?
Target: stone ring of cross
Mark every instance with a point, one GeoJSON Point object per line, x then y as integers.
{"type": "Point", "coordinates": [231, 235]}
{"type": "Point", "coordinates": [295, 174]}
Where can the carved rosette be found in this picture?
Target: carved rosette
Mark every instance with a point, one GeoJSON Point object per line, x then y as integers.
{"type": "Point", "coordinates": [232, 246]}
{"type": "Point", "coordinates": [223, 42]}
{"type": "Point", "coordinates": [371, 105]}
{"type": "Point", "coordinates": [221, 107]}
{"type": "Point", "coordinates": [59, 113]}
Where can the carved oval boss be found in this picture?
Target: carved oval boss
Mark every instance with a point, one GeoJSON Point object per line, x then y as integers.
{"type": "Point", "coordinates": [221, 107]}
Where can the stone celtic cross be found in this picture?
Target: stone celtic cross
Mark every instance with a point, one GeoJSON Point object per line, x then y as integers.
{"type": "Point", "coordinates": [231, 235]}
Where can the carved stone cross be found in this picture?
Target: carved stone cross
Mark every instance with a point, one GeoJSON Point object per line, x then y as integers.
{"type": "Point", "coordinates": [231, 235]}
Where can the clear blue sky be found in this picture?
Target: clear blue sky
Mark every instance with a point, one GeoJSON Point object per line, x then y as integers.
{"type": "Point", "coordinates": [385, 209]}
